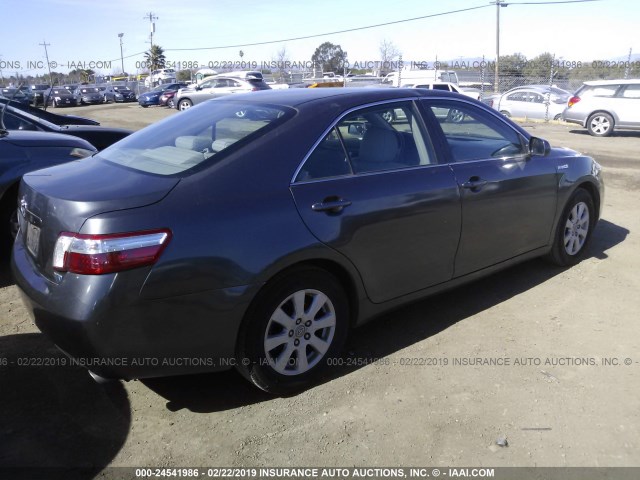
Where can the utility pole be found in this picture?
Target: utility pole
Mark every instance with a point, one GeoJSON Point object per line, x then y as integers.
{"type": "Point", "coordinates": [46, 55]}
{"type": "Point", "coordinates": [627, 68]}
{"type": "Point", "coordinates": [120, 35]}
{"type": "Point", "coordinates": [496, 78]}
{"type": "Point", "coordinates": [151, 16]}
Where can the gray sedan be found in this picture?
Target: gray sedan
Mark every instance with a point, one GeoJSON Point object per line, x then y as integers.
{"type": "Point", "coordinates": [211, 240]}
{"type": "Point", "coordinates": [533, 101]}
{"type": "Point", "coordinates": [215, 87]}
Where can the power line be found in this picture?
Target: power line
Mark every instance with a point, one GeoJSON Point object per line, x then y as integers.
{"type": "Point", "coordinates": [331, 33]}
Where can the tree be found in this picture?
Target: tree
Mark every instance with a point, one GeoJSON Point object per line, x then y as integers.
{"type": "Point", "coordinates": [330, 57]}
{"type": "Point", "coordinates": [183, 76]}
{"type": "Point", "coordinates": [155, 57]}
{"type": "Point", "coordinates": [281, 60]}
{"type": "Point", "coordinates": [388, 52]}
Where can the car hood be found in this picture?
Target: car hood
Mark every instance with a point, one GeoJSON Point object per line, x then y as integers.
{"type": "Point", "coordinates": [25, 138]}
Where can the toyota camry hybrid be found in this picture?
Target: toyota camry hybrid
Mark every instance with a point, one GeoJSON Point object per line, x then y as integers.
{"type": "Point", "coordinates": [260, 239]}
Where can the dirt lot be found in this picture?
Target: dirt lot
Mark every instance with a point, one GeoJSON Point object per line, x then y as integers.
{"type": "Point", "coordinates": [556, 401]}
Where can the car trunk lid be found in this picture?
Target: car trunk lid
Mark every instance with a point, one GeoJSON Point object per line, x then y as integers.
{"type": "Point", "coordinates": [48, 206]}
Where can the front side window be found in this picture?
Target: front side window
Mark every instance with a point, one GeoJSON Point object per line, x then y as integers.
{"type": "Point", "coordinates": [384, 137]}
{"type": "Point", "coordinates": [472, 135]}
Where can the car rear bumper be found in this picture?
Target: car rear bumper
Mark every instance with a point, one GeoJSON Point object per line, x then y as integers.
{"type": "Point", "coordinates": [104, 324]}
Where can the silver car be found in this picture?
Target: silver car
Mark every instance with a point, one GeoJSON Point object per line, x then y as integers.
{"type": "Point", "coordinates": [605, 105]}
{"type": "Point", "coordinates": [214, 87]}
{"type": "Point", "coordinates": [531, 102]}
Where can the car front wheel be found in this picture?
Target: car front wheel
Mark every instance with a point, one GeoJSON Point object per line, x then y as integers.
{"type": "Point", "coordinates": [600, 124]}
{"type": "Point", "coordinates": [574, 230]}
{"type": "Point", "coordinates": [184, 104]}
{"type": "Point", "coordinates": [296, 326]}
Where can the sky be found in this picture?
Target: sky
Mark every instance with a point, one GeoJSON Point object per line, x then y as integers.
{"type": "Point", "coordinates": [84, 34]}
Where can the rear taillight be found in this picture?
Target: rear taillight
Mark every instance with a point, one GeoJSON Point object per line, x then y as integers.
{"type": "Point", "coordinates": [573, 101]}
{"type": "Point", "coordinates": [99, 254]}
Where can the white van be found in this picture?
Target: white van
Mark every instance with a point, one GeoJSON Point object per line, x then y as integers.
{"type": "Point", "coordinates": [412, 77]}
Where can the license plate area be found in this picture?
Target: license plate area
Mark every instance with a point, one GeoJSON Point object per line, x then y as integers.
{"type": "Point", "coordinates": [33, 238]}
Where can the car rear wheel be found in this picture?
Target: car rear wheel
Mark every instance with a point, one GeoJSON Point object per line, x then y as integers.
{"type": "Point", "coordinates": [505, 113]}
{"type": "Point", "coordinates": [296, 325]}
{"type": "Point", "coordinates": [574, 230]}
{"type": "Point", "coordinates": [389, 116]}
{"type": "Point", "coordinates": [600, 124]}
{"type": "Point", "coordinates": [8, 224]}
{"type": "Point", "coordinates": [455, 116]}
{"type": "Point", "coordinates": [558, 117]}
{"type": "Point", "coordinates": [184, 104]}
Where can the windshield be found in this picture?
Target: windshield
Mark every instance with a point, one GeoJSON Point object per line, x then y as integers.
{"type": "Point", "coordinates": [60, 91]}
{"type": "Point", "coordinates": [89, 90]}
{"type": "Point", "coordinates": [121, 89]}
{"type": "Point", "coordinates": [201, 134]}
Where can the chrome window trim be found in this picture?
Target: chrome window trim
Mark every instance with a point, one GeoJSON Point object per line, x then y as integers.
{"type": "Point", "coordinates": [496, 114]}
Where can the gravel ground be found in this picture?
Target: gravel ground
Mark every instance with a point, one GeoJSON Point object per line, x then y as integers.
{"type": "Point", "coordinates": [565, 398]}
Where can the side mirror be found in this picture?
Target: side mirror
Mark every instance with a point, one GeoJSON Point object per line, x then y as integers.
{"type": "Point", "coordinates": [539, 147]}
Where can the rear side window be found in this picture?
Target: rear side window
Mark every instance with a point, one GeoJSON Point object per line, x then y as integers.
{"type": "Point", "coordinates": [384, 137]}
{"type": "Point", "coordinates": [599, 91]}
{"type": "Point", "coordinates": [203, 134]}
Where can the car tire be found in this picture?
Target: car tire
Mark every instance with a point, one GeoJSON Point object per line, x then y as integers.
{"type": "Point", "coordinates": [54, 104]}
{"type": "Point", "coordinates": [302, 314]}
{"type": "Point", "coordinates": [389, 116]}
{"type": "Point", "coordinates": [8, 224]}
{"type": "Point", "coordinates": [558, 117]}
{"type": "Point", "coordinates": [144, 106]}
{"type": "Point", "coordinates": [185, 104]}
{"type": "Point", "coordinates": [505, 113]}
{"type": "Point", "coordinates": [600, 124]}
{"type": "Point", "coordinates": [455, 116]}
{"type": "Point", "coordinates": [574, 230]}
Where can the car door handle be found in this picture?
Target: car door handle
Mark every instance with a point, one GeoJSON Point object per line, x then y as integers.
{"type": "Point", "coordinates": [474, 183]}
{"type": "Point", "coordinates": [332, 205]}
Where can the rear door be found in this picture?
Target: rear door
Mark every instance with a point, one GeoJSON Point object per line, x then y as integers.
{"type": "Point", "coordinates": [373, 190]}
{"type": "Point", "coordinates": [508, 197]}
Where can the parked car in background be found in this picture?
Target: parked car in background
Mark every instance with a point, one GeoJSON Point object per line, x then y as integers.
{"type": "Point", "coordinates": [604, 106]}
{"type": "Point", "coordinates": [281, 229]}
{"type": "Point", "coordinates": [14, 94]}
{"type": "Point", "coordinates": [215, 87]}
{"type": "Point", "coordinates": [447, 87]}
{"type": "Point", "coordinates": [167, 99]}
{"type": "Point", "coordinates": [89, 95]}
{"type": "Point", "coordinates": [99, 137]}
{"type": "Point", "coordinates": [117, 93]}
{"type": "Point", "coordinates": [22, 152]}
{"type": "Point", "coordinates": [153, 97]}
{"type": "Point", "coordinates": [38, 92]}
{"type": "Point", "coordinates": [60, 97]}
{"type": "Point", "coordinates": [531, 101]}
{"type": "Point", "coordinates": [50, 116]}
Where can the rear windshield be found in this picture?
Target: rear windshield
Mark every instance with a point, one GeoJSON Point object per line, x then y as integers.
{"type": "Point", "coordinates": [202, 134]}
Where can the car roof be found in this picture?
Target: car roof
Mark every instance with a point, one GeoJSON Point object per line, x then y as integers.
{"type": "Point", "coordinates": [344, 96]}
{"type": "Point", "coordinates": [622, 81]}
